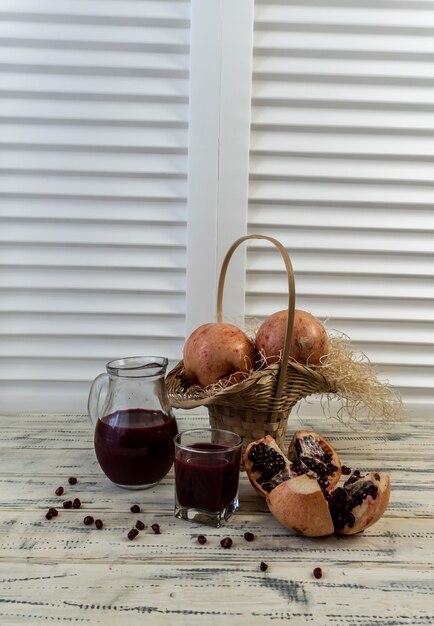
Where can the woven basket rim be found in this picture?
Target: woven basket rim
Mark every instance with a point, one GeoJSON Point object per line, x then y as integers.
{"type": "Point", "coordinates": [195, 396]}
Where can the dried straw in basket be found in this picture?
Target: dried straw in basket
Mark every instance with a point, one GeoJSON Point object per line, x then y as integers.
{"type": "Point", "coordinates": [260, 404]}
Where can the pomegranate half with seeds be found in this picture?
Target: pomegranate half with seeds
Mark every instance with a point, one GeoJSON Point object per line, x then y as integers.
{"type": "Point", "coordinates": [309, 452]}
{"type": "Point", "coordinates": [299, 490]}
{"type": "Point", "coordinates": [267, 466]}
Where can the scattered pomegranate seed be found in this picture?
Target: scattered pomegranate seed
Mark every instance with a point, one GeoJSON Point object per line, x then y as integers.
{"type": "Point", "coordinates": [156, 529]}
{"type": "Point", "coordinates": [201, 539]}
{"type": "Point", "coordinates": [72, 480]}
{"type": "Point", "coordinates": [67, 504]}
{"type": "Point", "coordinates": [59, 491]}
{"type": "Point", "coordinates": [99, 524]}
{"type": "Point", "coordinates": [317, 572]}
{"type": "Point", "coordinates": [140, 525]}
{"type": "Point", "coordinates": [249, 536]}
{"type": "Point", "coordinates": [54, 512]}
{"type": "Point", "coordinates": [346, 470]}
{"type": "Point", "coordinates": [48, 515]}
{"type": "Point", "coordinates": [226, 542]}
{"type": "Point", "coordinates": [135, 508]}
{"type": "Point", "coordinates": [133, 534]}
{"type": "Point", "coordinates": [76, 504]}
{"type": "Point", "coordinates": [88, 520]}
{"type": "Point", "coordinates": [263, 566]}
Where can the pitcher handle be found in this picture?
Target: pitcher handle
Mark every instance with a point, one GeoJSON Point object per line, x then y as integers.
{"type": "Point", "coordinates": [93, 403]}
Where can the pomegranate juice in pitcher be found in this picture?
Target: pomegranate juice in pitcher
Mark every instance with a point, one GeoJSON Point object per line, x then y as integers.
{"type": "Point", "coordinates": [135, 427]}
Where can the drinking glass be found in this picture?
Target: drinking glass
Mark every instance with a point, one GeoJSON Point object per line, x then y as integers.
{"type": "Point", "coordinates": [207, 471]}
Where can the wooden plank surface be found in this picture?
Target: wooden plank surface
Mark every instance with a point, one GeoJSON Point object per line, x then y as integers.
{"type": "Point", "coordinates": [60, 571]}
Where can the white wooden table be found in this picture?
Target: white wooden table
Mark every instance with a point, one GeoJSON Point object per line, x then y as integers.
{"type": "Point", "coordinates": [60, 571]}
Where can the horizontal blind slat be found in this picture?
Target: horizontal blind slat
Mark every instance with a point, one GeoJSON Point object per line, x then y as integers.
{"type": "Point", "coordinates": [108, 8]}
{"type": "Point", "coordinates": [93, 233]}
{"type": "Point", "coordinates": [337, 306]}
{"type": "Point", "coordinates": [344, 261]}
{"type": "Point", "coordinates": [138, 257]}
{"type": "Point", "coordinates": [166, 188]}
{"type": "Point", "coordinates": [171, 211]}
{"type": "Point", "coordinates": [72, 301]}
{"type": "Point", "coordinates": [102, 347]}
{"type": "Point", "coordinates": [84, 30]}
{"type": "Point", "coordinates": [97, 60]}
{"type": "Point", "coordinates": [70, 111]}
{"type": "Point", "coordinates": [89, 278]}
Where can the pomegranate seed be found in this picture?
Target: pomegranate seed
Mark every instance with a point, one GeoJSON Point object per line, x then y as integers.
{"type": "Point", "coordinates": [76, 504]}
{"type": "Point", "coordinates": [135, 508]}
{"type": "Point", "coordinates": [346, 470]}
{"type": "Point", "coordinates": [99, 524]}
{"type": "Point", "coordinates": [59, 491]}
{"type": "Point", "coordinates": [226, 542]}
{"type": "Point", "coordinates": [67, 504]}
{"type": "Point", "coordinates": [48, 515]}
{"type": "Point", "coordinates": [156, 529]}
{"type": "Point", "coordinates": [54, 512]}
{"type": "Point", "coordinates": [133, 534]}
{"type": "Point", "coordinates": [317, 572]}
{"type": "Point", "coordinates": [249, 536]}
{"type": "Point", "coordinates": [88, 520]}
{"type": "Point", "coordinates": [263, 566]}
{"type": "Point", "coordinates": [72, 480]}
{"type": "Point", "coordinates": [201, 539]}
{"type": "Point", "coordinates": [140, 525]}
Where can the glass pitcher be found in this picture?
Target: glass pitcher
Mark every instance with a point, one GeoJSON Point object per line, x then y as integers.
{"type": "Point", "coordinates": [134, 423]}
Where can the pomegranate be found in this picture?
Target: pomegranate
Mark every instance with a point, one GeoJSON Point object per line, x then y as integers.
{"type": "Point", "coordinates": [299, 489]}
{"type": "Point", "coordinates": [308, 451]}
{"type": "Point", "coordinates": [360, 502]}
{"type": "Point", "coordinates": [266, 465]}
{"type": "Point", "coordinates": [299, 504]}
{"type": "Point", "coordinates": [309, 338]}
{"type": "Point", "coordinates": [302, 506]}
{"type": "Point", "coordinates": [217, 351]}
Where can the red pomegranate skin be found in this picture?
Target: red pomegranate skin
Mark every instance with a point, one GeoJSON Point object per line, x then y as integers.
{"type": "Point", "coordinates": [309, 338]}
{"type": "Point", "coordinates": [215, 351]}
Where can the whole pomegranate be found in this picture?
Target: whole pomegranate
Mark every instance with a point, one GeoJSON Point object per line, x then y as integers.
{"type": "Point", "coordinates": [217, 351]}
{"type": "Point", "coordinates": [309, 338]}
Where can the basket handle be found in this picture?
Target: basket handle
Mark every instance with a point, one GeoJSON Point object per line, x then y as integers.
{"type": "Point", "coordinates": [291, 298]}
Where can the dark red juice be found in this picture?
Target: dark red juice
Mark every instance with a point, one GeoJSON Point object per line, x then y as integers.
{"type": "Point", "coordinates": [207, 482]}
{"type": "Point", "coordinates": [135, 446]}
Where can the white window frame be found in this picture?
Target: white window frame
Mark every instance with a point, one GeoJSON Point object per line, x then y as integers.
{"type": "Point", "coordinates": [220, 100]}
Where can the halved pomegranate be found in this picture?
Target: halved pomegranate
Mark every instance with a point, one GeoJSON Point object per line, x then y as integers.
{"type": "Point", "coordinates": [302, 506]}
{"type": "Point", "coordinates": [308, 451]}
{"type": "Point", "coordinates": [360, 502]}
{"type": "Point", "coordinates": [299, 505]}
{"type": "Point", "coordinates": [266, 465]}
{"type": "Point", "coordinates": [299, 490]}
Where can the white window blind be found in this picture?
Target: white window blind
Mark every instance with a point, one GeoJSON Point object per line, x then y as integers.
{"type": "Point", "coordinates": [342, 172]}
{"type": "Point", "coordinates": [93, 158]}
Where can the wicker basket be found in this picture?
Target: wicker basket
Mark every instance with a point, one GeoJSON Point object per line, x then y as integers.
{"type": "Point", "coordinates": [260, 404]}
